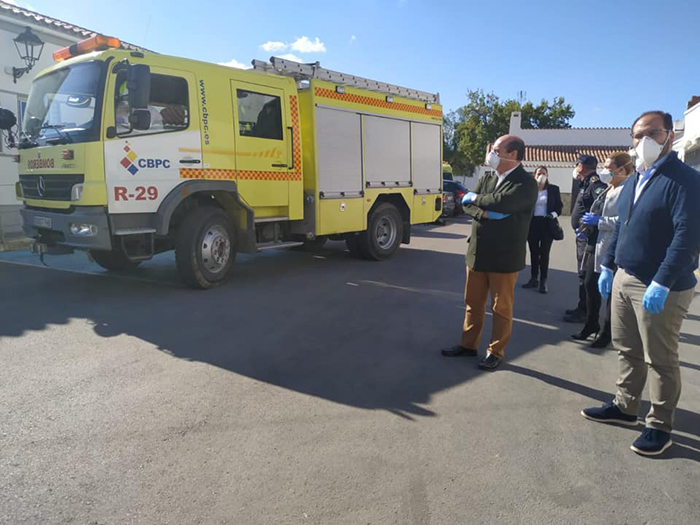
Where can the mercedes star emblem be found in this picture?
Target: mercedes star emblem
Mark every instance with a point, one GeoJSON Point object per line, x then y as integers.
{"type": "Point", "coordinates": [41, 186]}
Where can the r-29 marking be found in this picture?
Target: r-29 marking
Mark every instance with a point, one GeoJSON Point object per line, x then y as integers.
{"type": "Point", "coordinates": [141, 193]}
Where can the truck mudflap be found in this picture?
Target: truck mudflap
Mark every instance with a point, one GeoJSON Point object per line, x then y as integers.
{"type": "Point", "coordinates": [85, 228]}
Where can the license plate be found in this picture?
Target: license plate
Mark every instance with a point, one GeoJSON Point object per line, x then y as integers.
{"type": "Point", "coordinates": [42, 222]}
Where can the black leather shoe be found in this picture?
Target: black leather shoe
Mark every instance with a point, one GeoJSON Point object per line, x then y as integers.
{"type": "Point", "coordinates": [543, 286]}
{"type": "Point", "coordinates": [490, 362]}
{"type": "Point", "coordinates": [602, 341]}
{"type": "Point", "coordinates": [573, 312]}
{"type": "Point", "coordinates": [578, 317]}
{"type": "Point", "coordinates": [532, 283]}
{"type": "Point", "coordinates": [585, 333]}
{"type": "Point", "coordinates": [458, 351]}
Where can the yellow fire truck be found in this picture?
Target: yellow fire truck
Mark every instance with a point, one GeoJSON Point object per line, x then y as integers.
{"type": "Point", "coordinates": [126, 154]}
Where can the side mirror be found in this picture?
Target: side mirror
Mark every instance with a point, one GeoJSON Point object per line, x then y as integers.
{"type": "Point", "coordinates": [139, 85]}
{"type": "Point", "coordinates": [7, 119]}
{"type": "Point", "coordinates": [140, 119]}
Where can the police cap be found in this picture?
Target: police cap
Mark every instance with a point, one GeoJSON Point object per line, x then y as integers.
{"type": "Point", "coordinates": [588, 161]}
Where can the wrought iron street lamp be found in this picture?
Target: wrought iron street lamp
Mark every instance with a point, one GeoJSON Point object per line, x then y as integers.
{"type": "Point", "coordinates": [29, 46]}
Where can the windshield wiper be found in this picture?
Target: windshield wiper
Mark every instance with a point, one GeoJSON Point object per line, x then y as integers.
{"type": "Point", "coordinates": [57, 128]}
{"type": "Point", "coordinates": [25, 142]}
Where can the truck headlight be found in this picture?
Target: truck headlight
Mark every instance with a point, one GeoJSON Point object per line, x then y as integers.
{"type": "Point", "coordinates": [83, 230]}
{"type": "Point", "coordinates": [76, 192]}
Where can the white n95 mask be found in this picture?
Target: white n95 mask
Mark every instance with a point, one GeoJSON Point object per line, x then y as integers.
{"type": "Point", "coordinates": [606, 176]}
{"type": "Point", "coordinates": [649, 150]}
{"type": "Point", "coordinates": [493, 160]}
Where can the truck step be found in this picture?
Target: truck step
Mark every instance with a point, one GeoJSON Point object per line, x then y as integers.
{"type": "Point", "coordinates": [273, 245]}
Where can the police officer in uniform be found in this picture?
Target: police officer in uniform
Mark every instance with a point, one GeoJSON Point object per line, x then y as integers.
{"type": "Point", "coordinates": [590, 187]}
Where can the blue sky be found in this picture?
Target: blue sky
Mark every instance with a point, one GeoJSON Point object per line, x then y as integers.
{"type": "Point", "coordinates": [611, 59]}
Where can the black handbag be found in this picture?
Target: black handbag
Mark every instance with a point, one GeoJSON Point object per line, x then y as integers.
{"type": "Point", "coordinates": [554, 228]}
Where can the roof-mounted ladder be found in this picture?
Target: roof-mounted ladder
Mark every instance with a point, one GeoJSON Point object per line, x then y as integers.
{"type": "Point", "coordinates": [300, 71]}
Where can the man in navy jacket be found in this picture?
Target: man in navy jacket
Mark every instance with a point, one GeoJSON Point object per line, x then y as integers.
{"type": "Point", "coordinates": [655, 252]}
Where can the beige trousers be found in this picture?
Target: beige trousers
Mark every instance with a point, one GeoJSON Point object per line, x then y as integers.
{"type": "Point", "coordinates": [647, 344]}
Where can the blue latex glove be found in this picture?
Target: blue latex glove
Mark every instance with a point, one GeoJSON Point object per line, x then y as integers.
{"type": "Point", "coordinates": [590, 219]}
{"type": "Point", "coordinates": [654, 298]}
{"type": "Point", "coordinates": [496, 216]}
{"type": "Point", "coordinates": [605, 282]}
{"type": "Point", "coordinates": [580, 235]}
{"type": "Point", "coordinates": [469, 197]}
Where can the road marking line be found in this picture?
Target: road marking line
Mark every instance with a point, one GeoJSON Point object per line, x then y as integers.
{"type": "Point", "coordinates": [524, 321]}
{"type": "Point", "coordinates": [107, 275]}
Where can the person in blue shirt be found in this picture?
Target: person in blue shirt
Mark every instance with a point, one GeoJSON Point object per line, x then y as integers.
{"type": "Point", "coordinates": [654, 249]}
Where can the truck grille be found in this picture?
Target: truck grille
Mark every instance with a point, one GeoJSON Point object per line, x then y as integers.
{"type": "Point", "coordinates": [53, 187]}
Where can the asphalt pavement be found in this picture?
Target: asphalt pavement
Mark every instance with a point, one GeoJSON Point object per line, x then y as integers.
{"type": "Point", "coordinates": [310, 390]}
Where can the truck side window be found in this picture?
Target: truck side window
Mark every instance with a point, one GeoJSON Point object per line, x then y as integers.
{"type": "Point", "coordinates": [168, 105]}
{"type": "Point", "coordinates": [259, 115]}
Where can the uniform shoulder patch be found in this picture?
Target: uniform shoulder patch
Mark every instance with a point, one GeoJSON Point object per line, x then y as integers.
{"type": "Point", "coordinates": [594, 178]}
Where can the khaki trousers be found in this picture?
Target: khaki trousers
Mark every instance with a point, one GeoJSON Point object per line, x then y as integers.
{"type": "Point", "coordinates": [647, 344]}
{"type": "Point", "coordinates": [476, 292]}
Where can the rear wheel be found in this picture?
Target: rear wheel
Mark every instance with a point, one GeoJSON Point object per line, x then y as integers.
{"type": "Point", "coordinates": [205, 248]}
{"type": "Point", "coordinates": [113, 260]}
{"type": "Point", "coordinates": [383, 235]}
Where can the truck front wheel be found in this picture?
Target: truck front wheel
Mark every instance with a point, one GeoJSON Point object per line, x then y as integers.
{"type": "Point", "coordinates": [113, 260]}
{"type": "Point", "coordinates": [383, 235]}
{"type": "Point", "coordinates": [205, 247]}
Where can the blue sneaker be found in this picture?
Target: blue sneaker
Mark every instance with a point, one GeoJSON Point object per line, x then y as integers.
{"type": "Point", "coordinates": [652, 442]}
{"type": "Point", "coordinates": [609, 413]}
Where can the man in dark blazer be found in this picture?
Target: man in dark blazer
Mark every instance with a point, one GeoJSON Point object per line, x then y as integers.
{"type": "Point", "coordinates": [501, 207]}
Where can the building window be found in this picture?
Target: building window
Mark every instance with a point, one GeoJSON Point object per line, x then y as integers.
{"type": "Point", "coordinates": [259, 115]}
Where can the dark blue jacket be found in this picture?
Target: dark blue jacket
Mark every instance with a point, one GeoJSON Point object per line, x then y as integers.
{"type": "Point", "coordinates": [658, 237]}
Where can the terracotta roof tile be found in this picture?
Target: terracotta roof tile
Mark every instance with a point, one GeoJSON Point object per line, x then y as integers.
{"type": "Point", "coordinates": [32, 17]}
{"type": "Point", "coordinates": [569, 154]}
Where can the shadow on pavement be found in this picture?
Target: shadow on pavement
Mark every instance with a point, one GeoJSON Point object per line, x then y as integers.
{"type": "Point", "coordinates": [358, 333]}
{"type": "Point", "coordinates": [686, 421]}
{"type": "Point", "coordinates": [352, 332]}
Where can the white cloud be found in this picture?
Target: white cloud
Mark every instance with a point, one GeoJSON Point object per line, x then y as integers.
{"type": "Point", "coordinates": [292, 57]}
{"type": "Point", "coordinates": [19, 3]}
{"type": "Point", "coordinates": [234, 63]}
{"type": "Point", "coordinates": [304, 45]}
{"type": "Point", "coordinates": [274, 47]}
{"type": "Point", "coordinates": [353, 39]}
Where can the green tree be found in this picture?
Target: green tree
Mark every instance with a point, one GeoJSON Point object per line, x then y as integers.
{"type": "Point", "coordinates": [485, 117]}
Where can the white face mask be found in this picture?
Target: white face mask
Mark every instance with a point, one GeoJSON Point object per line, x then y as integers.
{"type": "Point", "coordinates": [541, 179]}
{"type": "Point", "coordinates": [493, 160]}
{"type": "Point", "coordinates": [606, 176]}
{"type": "Point", "coordinates": [649, 150]}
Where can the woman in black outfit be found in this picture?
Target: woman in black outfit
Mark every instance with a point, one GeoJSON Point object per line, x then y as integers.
{"type": "Point", "coordinates": [539, 239]}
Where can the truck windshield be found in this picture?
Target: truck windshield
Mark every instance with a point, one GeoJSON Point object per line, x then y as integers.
{"type": "Point", "coordinates": [62, 106]}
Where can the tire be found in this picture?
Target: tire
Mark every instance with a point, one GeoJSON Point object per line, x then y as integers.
{"type": "Point", "coordinates": [113, 261]}
{"type": "Point", "coordinates": [383, 235]}
{"type": "Point", "coordinates": [205, 248]}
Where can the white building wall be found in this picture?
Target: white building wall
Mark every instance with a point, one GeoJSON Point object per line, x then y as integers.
{"type": "Point", "coordinates": [689, 143]}
{"type": "Point", "coordinates": [570, 136]}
